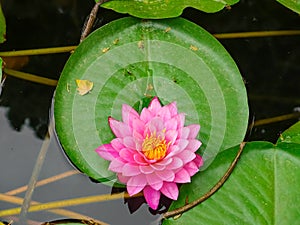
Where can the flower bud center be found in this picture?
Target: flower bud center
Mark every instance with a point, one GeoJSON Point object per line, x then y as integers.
{"type": "Point", "coordinates": [154, 147]}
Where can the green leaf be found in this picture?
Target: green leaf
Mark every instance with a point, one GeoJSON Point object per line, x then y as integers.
{"type": "Point", "coordinates": [291, 135]}
{"type": "Point", "coordinates": [156, 9]}
{"type": "Point", "coordinates": [263, 188]}
{"type": "Point", "coordinates": [2, 26]}
{"type": "Point", "coordinates": [291, 4]}
{"type": "Point", "coordinates": [130, 61]}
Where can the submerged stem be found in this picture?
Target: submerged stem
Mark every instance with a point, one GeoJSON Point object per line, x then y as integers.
{"type": "Point", "coordinates": [33, 180]}
{"type": "Point", "coordinates": [30, 77]}
{"type": "Point", "coordinates": [257, 34]}
{"type": "Point", "coordinates": [40, 51]}
{"type": "Point", "coordinates": [68, 202]}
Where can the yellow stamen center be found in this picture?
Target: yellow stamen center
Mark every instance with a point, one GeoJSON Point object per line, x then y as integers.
{"type": "Point", "coordinates": [154, 147]}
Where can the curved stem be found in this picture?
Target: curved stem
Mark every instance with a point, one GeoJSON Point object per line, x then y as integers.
{"type": "Point", "coordinates": [54, 50]}
{"type": "Point", "coordinates": [257, 34]}
{"type": "Point", "coordinates": [275, 119]}
{"type": "Point", "coordinates": [44, 182]}
{"type": "Point", "coordinates": [215, 188]}
{"type": "Point", "coordinates": [65, 203]}
{"type": "Point", "coordinates": [40, 51]}
{"type": "Point", "coordinates": [30, 77]}
{"type": "Point", "coordinates": [89, 25]}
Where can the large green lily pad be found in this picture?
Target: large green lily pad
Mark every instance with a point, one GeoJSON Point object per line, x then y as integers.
{"type": "Point", "coordinates": [263, 188]}
{"type": "Point", "coordinates": [130, 61]}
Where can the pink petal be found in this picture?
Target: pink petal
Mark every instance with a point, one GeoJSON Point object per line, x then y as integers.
{"type": "Point", "coordinates": [130, 170]}
{"type": "Point", "coordinates": [186, 156]}
{"type": "Point", "coordinates": [173, 150]}
{"type": "Point", "coordinates": [170, 190]}
{"type": "Point", "coordinates": [157, 166]}
{"type": "Point", "coordinates": [191, 168]}
{"type": "Point", "coordinates": [122, 178]}
{"type": "Point", "coordinates": [117, 144]}
{"type": "Point", "coordinates": [193, 145]}
{"type": "Point", "coordinates": [135, 184]}
{"type": "Point", "coordinates": [127, 155]}
{"type": "Point", "coordinates": [164, 162]}
{"type": "Point", "coordinates": [194, 129]}
{"type": "Point", "coordinates": [138, 126]}
{"type": "Point", "coordinates": [156, 125]}
{"type": "Point", "coordinates": [154, 106]}
{"type": "Point", "coordinates": [171, 136]}
{"type": "Point", "coordinates": [146, 115]}
{"type": "Point", "coordinates": [171, 124]}
{"type": "Point", "coordinates": [175, 164]}
{"type": "Point", "coordinates": [172, 107]}
{"type": "Point", "coordinates": [164, 113]}
{"type": "Point", "coordinates": [180, 120]}
{"type": "Point", "coordinates": [128, 113]}
{"type": "Point", "coordinates": [182, 176]}
{"type": "Point", "coordinates": [129, 142]}
{"type": "Point", "coordinates": [198, 160]}
{"type": "Point", "coordinates": [185, 131]}
{"type": "Point", "coordinates": [146, 169]}
{"type": "Point", "coordinates": [119, 129]}
{"type": "Point", "coordinates": [166, 175]}
{"type": "Point", "coordinates": [107, 152]}
{"type": "Point", "coordinates": [152, 197]}
{"type": "Point", "coordinates": [154, 181]}
{"type": "Point", "coordinates": [116, 166]}
{"type": "Point", "coordinates": [182, 143]}
{"type": "Point", "coordinates": [139, 159]}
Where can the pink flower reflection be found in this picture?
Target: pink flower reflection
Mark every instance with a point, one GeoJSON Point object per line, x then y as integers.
{"type": "Point", "coordinates": [153, 151]}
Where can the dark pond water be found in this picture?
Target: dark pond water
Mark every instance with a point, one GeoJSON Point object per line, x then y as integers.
{"type": "Point", "coordinates": [269, 65]}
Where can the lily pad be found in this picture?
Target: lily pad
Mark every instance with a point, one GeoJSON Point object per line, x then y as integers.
{"type": "Point", "coordinates": [293, 5]}
{"type": "Point", "coordinates": [131, 60]}
{"type": "Point", "coordinates": [263, 188]}
{"type": "Point", "coordinates": [158, 9]}
{"type": "Point", "coordinates": [291, 135]}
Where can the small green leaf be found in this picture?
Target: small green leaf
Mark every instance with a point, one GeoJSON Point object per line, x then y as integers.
{"type": "Point", "coordinates": [156, 9]}
{"type": "Point", "coordinates": [262, 189]}
{"type": "Point", "coordinates": [2, 26]}
{"type": "Point", "coordinates": [291, 4]}
{"type": "Point", "coordinates": [291, 135]}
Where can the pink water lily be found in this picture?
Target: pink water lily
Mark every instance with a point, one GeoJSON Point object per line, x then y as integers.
{"type": "Point", "coordinates": [153, 151]}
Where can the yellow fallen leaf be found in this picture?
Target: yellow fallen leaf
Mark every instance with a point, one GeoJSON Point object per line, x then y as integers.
{"type": "Point", "coordinates": [194, 48]}
{"type": "Point", "coordinates": [84, 86]}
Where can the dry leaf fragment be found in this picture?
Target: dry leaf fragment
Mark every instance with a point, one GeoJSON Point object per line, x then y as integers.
{"type": "Point", "coordinates": [141, 44]}
{"type": "Point", "coordinates": [167, 29]}
{"type": "Point", "coordinates": [84, 86]}
{"type": "Point", "coordinates": [194, 48]}
{"type": "Point", "coordinates": [104, 50]}
{"type": "Point", "coordinates": [116, 41]}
